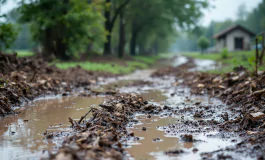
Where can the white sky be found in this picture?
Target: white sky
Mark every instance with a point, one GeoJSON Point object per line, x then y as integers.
{"type": "Point", "coordinates": [10, 4]}
{"type": "Point", "coordinates": [223, 10]}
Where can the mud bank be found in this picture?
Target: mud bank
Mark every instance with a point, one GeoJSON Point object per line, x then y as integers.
{"type": "Point", "coordinates": [24, 79]}
{"type": "Point", "coordinates": [101, 135]}
{"type": "Point", "coordinates": [245, 96]}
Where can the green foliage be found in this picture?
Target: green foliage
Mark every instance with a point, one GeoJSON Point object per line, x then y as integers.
{"type": "Point", "coordinates": [147, 60]}
{"type": "Point", "coordinates": [106, 67]}
{"type": "Point", "coordinates": [7, 30]}
{"type": "Point", "coordinates": [63, 27]}
{"type": "Point", "coordinates": [157, 27]}
{"type": "Point", "coordinates": [21, 53]}
{"type": "Point", "coordinates": [7, 35]}
{"type": "Point", "coordinates": [203, 43]}
{"type": "Point", "coordinates": [224, 53]}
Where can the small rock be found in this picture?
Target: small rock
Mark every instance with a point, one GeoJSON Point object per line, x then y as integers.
{"type": "Point", "coordinates": [187, 138]}
{"type": "Point", "coordinates": [119, 106]}
{"type": "Point", "coordinates": [259, 93]}
{"type": "Point", "coordinates": [256, 116]}
{"type": "Point", "coordinates": [235, 78]}
{"type": "Point", "coordinates": [144, 129]}
{"type": "Point", "coordinates": [195, 150]}
{"type": "Point", "coordinates": [156, 139]}
{"type": "Point", "coordinates": [260, 72]}
{"type": "Point", "coordinates": [174, 152]}
{"type": "Point", "coordinates": [200, 85]}
{"type": "Point", "coordinates": [217, 79]}
{"type": "Point", "coordinates": [221, 87]}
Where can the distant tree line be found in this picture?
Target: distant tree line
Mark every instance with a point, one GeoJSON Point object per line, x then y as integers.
{"type": "Point", "coordinates": [66, 28]}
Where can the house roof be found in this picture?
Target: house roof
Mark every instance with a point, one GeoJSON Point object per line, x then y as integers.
{"type": "Point", "coordinates": [229, 30]}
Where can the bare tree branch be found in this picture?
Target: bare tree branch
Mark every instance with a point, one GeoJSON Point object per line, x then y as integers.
{"type": "Point", "coordinates": [118, 11]}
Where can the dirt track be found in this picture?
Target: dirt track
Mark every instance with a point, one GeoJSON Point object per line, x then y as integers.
{"type": "Point", "coordinates": [205, 116]}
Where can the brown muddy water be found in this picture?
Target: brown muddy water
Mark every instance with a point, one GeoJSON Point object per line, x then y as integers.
{"type": "Point", "coordinates": [21, 136]}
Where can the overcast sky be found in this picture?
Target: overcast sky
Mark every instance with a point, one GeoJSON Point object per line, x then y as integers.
{"type": "Point", "coordinates": [224, 9]}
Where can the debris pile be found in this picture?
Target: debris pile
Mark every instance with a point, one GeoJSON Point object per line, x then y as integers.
{"type": "Point", "coordinates": [101, 136]}
{"type": "Point", "coordinates": [28, 77]}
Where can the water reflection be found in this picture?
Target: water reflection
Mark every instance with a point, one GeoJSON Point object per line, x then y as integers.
{"type": "Point", "coordinates": [21, 135]}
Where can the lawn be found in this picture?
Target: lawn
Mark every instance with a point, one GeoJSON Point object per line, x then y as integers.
{"type": "Point", "coordinates": [139, 62]}
{"type": "Point", "coordinates": [233, 59]}
{"type": "Point", "coordinates": [21, 53]}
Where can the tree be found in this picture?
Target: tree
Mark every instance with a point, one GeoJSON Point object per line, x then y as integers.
{"type": "Point", "coordinates": [121, 35]}
{"type": "Point", "coordinates": [162, 17]}
{"type": "Point", "coordinates": [203, 43]}
{"type": "Point", "coordinates": [64, 27]}
{"type": "Point", "coordinates": [242, 12]}
{"type": "Point", "coordinates": [7, 31]}
{"type": "Point", "coordinates": [110, 7]}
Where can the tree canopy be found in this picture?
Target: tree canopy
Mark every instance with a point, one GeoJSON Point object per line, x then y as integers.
{"type": "Point", "coordinates": [8, 31]}
{"type": "Point", "coordinates": [66, 28]}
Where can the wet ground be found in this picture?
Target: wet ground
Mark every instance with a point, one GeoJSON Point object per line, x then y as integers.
{"type": "Point", "coordinates": [158, 137]}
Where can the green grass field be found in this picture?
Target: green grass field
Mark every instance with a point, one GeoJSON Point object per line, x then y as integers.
{"type": "Point", "coordinates": [234, 59]}
{"type": "Point", "coordinates": [21, 53]}
{"type": "Point", "coordinates": [139, 62]}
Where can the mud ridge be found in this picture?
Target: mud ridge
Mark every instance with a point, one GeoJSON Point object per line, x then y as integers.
{"type": "Point", "coordinates": [22, 79]}
{"type": "Point", "coordinates": [243, 92]}
{"type": "Point", "coordinates": [101, 136]}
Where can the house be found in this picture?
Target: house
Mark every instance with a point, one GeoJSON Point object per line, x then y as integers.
{"type": "Point", "coordinates": [234, 38]}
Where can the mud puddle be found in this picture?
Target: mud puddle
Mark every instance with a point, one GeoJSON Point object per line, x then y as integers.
{"type": "Point", "coordinates": [21, 136]}
{"type": "Point", "coordinates": [151, 140]}
{"type": "Point", "coordinates": [157, 135]}
{"type": "Point", "coordinates": [204, 65]}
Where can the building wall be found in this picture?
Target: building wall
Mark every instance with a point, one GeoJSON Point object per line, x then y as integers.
{"type": "Point", "coordinates": [220, 44]}
{"type": "Point", "coordinates": [229, 41]}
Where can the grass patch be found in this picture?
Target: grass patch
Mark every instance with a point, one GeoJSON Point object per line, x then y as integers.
{"type": "Point", "coordinates": [139, 63]}
{"type": "Point", "coordinates": [22, 53]}
{"type": "Point", "coordinates": [147, 60]}
{"type": "Point", "coordinates": [104, 67]}
{"type": "Point", "coordinates": [234, 59]}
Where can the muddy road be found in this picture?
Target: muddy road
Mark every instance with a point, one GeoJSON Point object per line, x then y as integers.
{"type": "Point", "coordinates": [184, 129]}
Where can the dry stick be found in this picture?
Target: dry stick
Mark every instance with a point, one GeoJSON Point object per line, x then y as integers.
{"type": "Point", "coordinates": [33, 77]}
{"type": "Point", "coordinates": [71, 121]}
{"type": "Point", "coordinates": [257, 56]}
{"type": "Point", "coordinates": [81, 119]}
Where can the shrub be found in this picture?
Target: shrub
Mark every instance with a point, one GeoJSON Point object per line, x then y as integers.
{"type": "Point", "coordinates": [224, 53]}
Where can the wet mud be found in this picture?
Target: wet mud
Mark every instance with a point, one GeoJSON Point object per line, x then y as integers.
{"type": "Point", "coordinates": [172, 112]}
{"type": "Point", "coordinates": [24, 79]}
{"type": "Point", "coordinates": [22, 135]}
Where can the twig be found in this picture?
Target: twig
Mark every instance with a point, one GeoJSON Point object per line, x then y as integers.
{"type": "Point", "coordinates": [81, 119]}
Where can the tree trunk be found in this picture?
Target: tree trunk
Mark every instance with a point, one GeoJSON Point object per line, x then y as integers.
{"type": "Point", "coordinates": [121, 36]}
{"type": "Point", "coordinates": [133, 39]}
{"type": "Point", "coordinates": [156, 47]}
{"type": "Point", "coordinates": [142, 49]}
{"type": "Point", "coordinates": [108, 28]}
{"type": "Point", "coordinates": [263, 50]}
{"type": "Point", "coordinates": [61, 50]}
